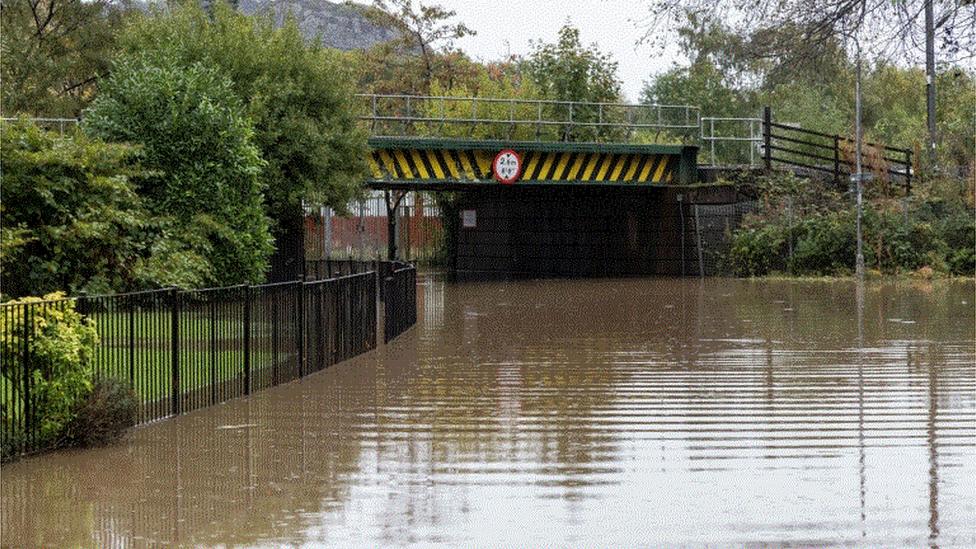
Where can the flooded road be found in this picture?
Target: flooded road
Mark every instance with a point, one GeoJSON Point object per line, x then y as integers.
{"type": "Point", "coordinates": [577, 413]}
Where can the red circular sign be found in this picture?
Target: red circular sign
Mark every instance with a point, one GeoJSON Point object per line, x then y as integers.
{"type": "Point", "coordinates": [507, 166]}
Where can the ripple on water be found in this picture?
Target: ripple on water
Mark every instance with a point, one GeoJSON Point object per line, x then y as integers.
{"type": "Point", "coordinates": [595, 412]}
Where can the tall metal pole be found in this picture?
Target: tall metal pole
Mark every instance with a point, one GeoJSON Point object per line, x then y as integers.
{"type": "Point", "coordinates": [859, 260]}
{"type": "Point", "coordinates": [930, 78]}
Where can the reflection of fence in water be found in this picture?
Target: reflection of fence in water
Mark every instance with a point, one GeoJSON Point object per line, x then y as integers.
{"type": "Point", "coordinates": [431, 297]}
{"type": "Point", "coordinates": [241, 463]}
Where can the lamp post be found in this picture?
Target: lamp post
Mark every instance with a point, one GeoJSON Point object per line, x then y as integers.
{"type": "Point", "coordinates": [930, 80]}
{"type": "Point", "coordinates": [858, 176]}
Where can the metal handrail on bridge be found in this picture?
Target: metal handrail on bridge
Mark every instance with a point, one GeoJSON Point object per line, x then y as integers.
{"type": "Point", "coordinates": [42, 121]}
{"type": "Point", "coordinates": [755, 135]}
{"type": "Point", "coordinates": [398, 115]}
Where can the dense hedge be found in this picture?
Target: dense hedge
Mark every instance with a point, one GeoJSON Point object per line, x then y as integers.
{"type": "Point", "coordinates": [71, 218]}
{"type": "Point", "coordinates": [198, 146]}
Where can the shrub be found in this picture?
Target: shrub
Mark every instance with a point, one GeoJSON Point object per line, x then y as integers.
{"type": "Point", "coordinates": [195, 136]}
{"type": "Point", "coordinates": [61, 346]}
{"type": "Point", "coordinates": [74, 221]}
{"type": "Point", "coordinates": [12, 443]}
{"type": "Point", "coordinates": [824, 245]}
{"type": "Point", "coordinates": [930, 230]}
{"type": "Point", "coordinates": [755, 251]}
{"type": "Point", "coordinates": [105, 415]}
{"type": "Point", "coordinates": [71, 218]}
{"type": "Point", "coordinates": [298, 93]}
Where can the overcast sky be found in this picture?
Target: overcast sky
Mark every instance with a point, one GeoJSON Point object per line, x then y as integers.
{"type": "Point", "coordinates": [506, 26]}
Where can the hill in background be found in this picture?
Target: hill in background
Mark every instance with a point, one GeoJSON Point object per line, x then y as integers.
{"type": "Point", "coordinates": [340, 26]}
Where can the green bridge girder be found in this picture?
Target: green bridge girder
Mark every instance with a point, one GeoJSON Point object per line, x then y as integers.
{"type": "Point", "coordinates": [413, 163]}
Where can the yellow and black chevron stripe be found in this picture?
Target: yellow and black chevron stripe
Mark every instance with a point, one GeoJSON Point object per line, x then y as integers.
{"type": "Point", "coordinates": [598, 167]}
{"type": "Point", "coordinates": [442, 164]}
{"type": "Point", "coordinates": [475, 165]}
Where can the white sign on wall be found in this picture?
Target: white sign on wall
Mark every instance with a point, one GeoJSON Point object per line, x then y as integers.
{"type": "Point", "coordinates": [469, 219]}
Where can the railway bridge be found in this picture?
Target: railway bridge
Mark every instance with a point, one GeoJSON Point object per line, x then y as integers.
{"type": "Point", "coordinates": [551, 188]}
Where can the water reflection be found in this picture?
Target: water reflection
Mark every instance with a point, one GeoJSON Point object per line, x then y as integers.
{"type": "Point", "coordinates": [591, 412]}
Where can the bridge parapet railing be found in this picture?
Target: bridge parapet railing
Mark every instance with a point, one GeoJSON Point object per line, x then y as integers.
{"type": "Point", "coordinates": [391, 115]}
{"type": "Point", "coordinates": [731, 141]}
{"type": "Point", "coordinates": [60, 125]}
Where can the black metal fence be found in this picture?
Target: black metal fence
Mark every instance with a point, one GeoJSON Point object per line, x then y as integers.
{"type": "Point", "coordinates": [397, 288]}
{"type": "Point", "coordinates": [833, 155]}
{"type": "Point", "coordinates": [400, 301]}
{"type": "Point", "coordinates": [187, 349]}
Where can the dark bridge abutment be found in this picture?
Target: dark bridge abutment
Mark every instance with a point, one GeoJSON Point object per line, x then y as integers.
{"type": "Point", "coordinates": [515, 231]}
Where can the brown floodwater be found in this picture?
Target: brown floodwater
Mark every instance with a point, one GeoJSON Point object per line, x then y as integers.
{"type": "Point", "coordinates": [568, 413]}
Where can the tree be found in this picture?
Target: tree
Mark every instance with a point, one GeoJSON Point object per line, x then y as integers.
{"type": "Point", "coordinates": [71, 218]}
{"type": "Point", "coordinates": [701, 84]}
{"type": "Point", "coordinates": [792, 31]}
{"type": "Point", "coordinates": [53, 52]}
{"type": "Point", "coordinates": [424, 52]}
{"type": "Point", "coordinates": [299, 95]}
{"type": "Point", "coordinates": [200, 147]}
{"type": "Point", "coordinates": [887, 28]}
{"type": "Point", "coordinates": [567, 71]}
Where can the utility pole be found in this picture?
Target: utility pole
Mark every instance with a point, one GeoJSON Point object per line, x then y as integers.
{"type": "Point", "coordinates": [859, 176]}
{"type": "Point", "coordinates": [930, 78]}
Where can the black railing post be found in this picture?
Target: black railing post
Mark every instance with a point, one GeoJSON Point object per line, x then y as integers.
{"type": "Point", "coordinates": [132, 342]}
{"type": "Point", "coordinates": [301, 329]}
{"type": "Point", "coordinates": [27, 396]}
{"type": "Point", "coordinates": [247, 339]}
{"type": "Point", "coordinates": [175, 350]}
{"type": "Point", "coordinates": [320, 330]}
{"type": "Point", "coordinates": [274, 336]}
{"type": "Point", "coordinates": [767, 137]}
{"type": "Point", "coordinates": [213, 350]}
{"type": "Point", "coordinates": [908, 172]}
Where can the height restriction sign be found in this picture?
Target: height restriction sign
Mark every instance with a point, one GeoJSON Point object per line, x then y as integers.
{"type": "Point", "coordinates": [507, 166]}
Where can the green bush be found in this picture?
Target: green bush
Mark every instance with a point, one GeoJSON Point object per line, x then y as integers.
{"type": "Point", "coordinates": [71, 218]}
{"type": "Point", "coordinates": [200, 145]}
{"type": "Point", "coordinates": [755, 251]}
{"type": "Point", "coordinates": [104, 416]}
{"type": "Point", "coordinates": [298, 93]}
{"type": "Point", "coordinates": [937, 232]}
{"type": "Point", "coordinates": [824, 245]}
{"type": "Point", "coordinates": [61, 347]}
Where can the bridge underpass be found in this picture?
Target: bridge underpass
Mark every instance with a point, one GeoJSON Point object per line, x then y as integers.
{"type": "Point", "coordinates": [584, 189]}
{"type": "Point", "coordinates": [568, 209]}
